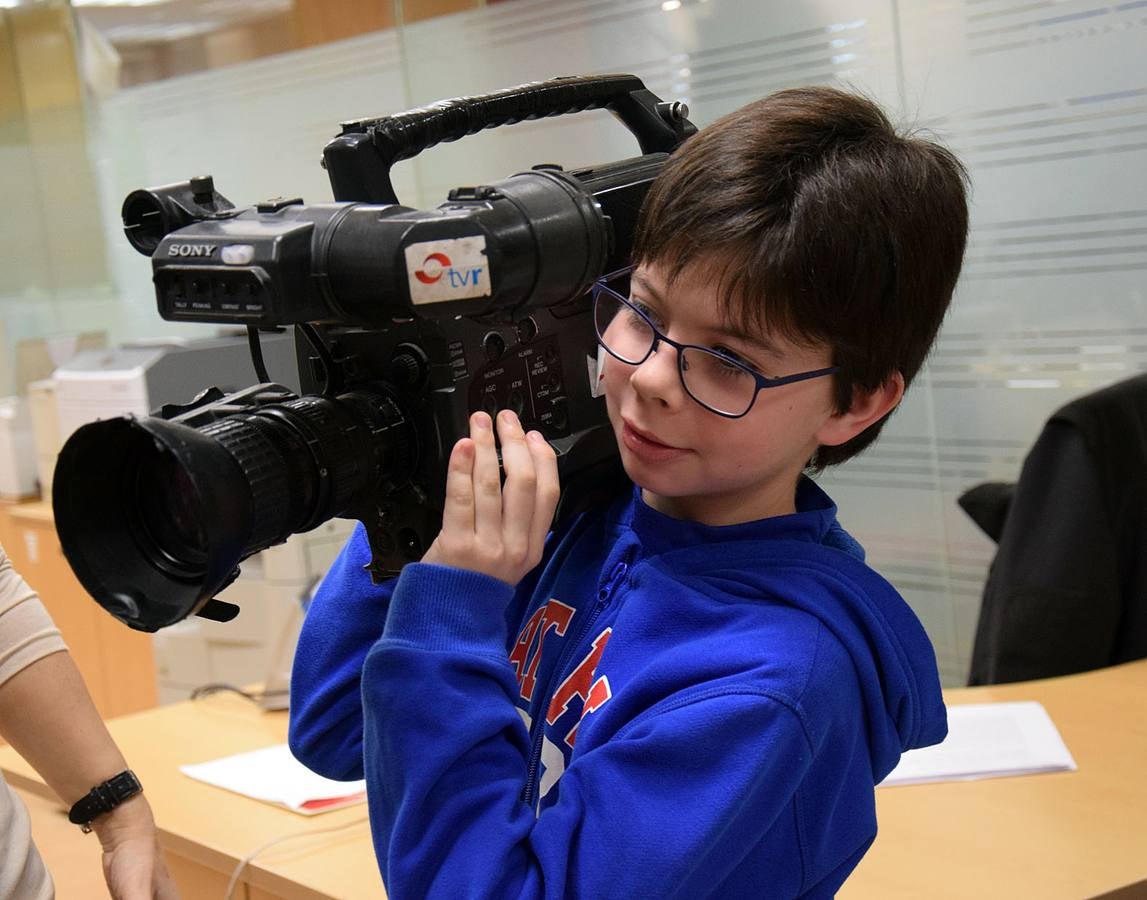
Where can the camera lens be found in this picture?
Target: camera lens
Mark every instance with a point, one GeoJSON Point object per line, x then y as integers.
{"type": "Point", "coordinates": [170, 516]}
{"type": "Point", "coordinates": [154, 516]}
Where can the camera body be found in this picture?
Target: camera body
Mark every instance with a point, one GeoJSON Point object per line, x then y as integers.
{"type": "Point", "coordinates": [406, 322]}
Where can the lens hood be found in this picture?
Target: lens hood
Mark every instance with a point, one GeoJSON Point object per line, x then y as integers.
{"type": "Point", "coordinates": [153, 516]}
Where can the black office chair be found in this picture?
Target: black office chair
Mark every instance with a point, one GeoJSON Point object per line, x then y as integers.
{"type": "Point", "coordinates": [1067, 590]}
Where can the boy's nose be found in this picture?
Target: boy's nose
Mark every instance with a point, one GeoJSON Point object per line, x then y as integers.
{"type": "Point", "coordinates": [658, 378]}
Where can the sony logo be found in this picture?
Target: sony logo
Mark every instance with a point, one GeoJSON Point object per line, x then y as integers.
{"type": "Point", "coordinates": [190, 249]}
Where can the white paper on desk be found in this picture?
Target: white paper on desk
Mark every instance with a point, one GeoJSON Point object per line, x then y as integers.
{"type": "Point", "coordinates": [988, 740]}
{"type": "Point", "coordinates": [273, 775]}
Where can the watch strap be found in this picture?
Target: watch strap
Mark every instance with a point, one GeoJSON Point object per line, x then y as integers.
{"type": "Point", "coordinates": [104, 798]}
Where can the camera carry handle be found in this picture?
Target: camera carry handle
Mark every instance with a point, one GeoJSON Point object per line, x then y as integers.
{"type": "Point", "coordinates": [359, 160]}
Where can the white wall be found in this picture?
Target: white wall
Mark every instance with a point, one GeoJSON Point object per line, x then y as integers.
{"type": "Point", "coordinates": [1045, 101]}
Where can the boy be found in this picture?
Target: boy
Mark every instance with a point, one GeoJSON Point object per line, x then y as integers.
{"type": "Point", "coordinates": [692, 692]}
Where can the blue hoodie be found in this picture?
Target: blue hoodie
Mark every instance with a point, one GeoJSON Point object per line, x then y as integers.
{"type": "Point", "coordinates": [661, 709]}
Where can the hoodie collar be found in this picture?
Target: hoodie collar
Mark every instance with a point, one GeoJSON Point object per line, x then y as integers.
{"type": "Point", "coordinates": [815, 515]}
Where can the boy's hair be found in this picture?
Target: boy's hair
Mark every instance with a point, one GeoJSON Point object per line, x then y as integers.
{"type": "Point", "coordinates": [820, 222]}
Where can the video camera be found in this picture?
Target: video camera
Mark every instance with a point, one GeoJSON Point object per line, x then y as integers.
{"type": "Point", "coordinates": [406, 321]}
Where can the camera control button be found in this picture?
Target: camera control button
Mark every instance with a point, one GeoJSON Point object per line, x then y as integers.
{"type": "Point", "coordinates": [237, 254]}
{"type": "Point", "coordinates": [277, 203]}
{"type": "Point", "coordinates": [494, 345]}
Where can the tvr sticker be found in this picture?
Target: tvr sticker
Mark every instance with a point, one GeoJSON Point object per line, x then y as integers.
{"type": "Point", "coordinates": [452, 269]}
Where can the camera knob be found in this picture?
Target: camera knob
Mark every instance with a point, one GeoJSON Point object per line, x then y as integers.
{"type": "Point", "coordinates": [202, 189]}
{"type": "Point", "coordinates": [673, 111]}
{"type": "Point", "coordinates": [407, 367]}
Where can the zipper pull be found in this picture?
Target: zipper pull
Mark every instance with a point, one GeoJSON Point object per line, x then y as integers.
{"type": "Point", "coordinates": [611, 583]}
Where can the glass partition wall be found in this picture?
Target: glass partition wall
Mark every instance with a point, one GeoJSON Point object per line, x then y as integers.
{"type": "Point", "coordinates": [1045, 102]}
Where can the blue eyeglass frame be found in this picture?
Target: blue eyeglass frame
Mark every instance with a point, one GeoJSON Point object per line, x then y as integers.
{"type": "Point", "coordinates": [659, 337]}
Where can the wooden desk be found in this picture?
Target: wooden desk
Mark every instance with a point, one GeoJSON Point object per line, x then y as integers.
{"type": "Point", "coordinates": [205, 831]}
{"type": "Point", "coordinates": [1064, 835]}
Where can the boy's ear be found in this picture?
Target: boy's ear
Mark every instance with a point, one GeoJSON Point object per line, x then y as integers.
{"type": "Point", "coordinates": [867, 407]}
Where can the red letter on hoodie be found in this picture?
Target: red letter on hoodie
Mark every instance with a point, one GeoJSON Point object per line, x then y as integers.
{"type": "Point", "coordinates": [554, 615]}
{"type": "Point", "coordinates": [580, 683]}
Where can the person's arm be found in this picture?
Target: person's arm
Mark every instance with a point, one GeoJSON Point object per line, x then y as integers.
{"type": "Point", "coordinates": [345, 619]}
{"type": "Point", "coordinates": [343, 622]}
{"type": "Point", "coordinates": [48, 717]}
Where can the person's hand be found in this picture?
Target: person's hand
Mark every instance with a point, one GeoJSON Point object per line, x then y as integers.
{"type": "Point", "coordinates": [498, 531]}
{"type": "Point", "coordinates": [133, 863]}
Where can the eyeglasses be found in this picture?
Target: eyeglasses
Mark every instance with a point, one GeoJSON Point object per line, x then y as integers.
{"type": "Point", "coordinates": [715, 379]}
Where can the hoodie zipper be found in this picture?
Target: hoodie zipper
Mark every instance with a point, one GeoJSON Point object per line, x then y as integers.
{"type": "Point", "coordinates": [604, 595]}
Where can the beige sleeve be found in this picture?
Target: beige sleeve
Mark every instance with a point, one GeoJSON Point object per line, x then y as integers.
{"type": "Point", "coordinates": [22, 872]}
{"type": "Point", "coordinates": [27, 632]}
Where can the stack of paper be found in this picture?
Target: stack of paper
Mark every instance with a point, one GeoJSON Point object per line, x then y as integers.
{"type": "Point", "coordinates": [273, 775]}
{"type": "Point", "coordinates": [988, 740]}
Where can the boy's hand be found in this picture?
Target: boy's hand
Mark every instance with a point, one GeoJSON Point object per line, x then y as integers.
{"type": "Point", "coordinates": [488, 528]}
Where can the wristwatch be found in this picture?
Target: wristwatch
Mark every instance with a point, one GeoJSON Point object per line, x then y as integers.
{"type": "Point", "coordinates": [104, 798]}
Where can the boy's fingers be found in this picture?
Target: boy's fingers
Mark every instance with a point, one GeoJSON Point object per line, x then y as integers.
{"type": "Point", "coordinates": [487, 477]}
{"type": "Point", "coordinates": [458, 516]}
{"type": "Point", "coordinates": [519, 492]}
{"type": "Point", "coordinates": [546, 492]}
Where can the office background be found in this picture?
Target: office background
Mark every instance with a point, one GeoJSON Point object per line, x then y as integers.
{"type": "Point", "coordinates": [1044, 100]}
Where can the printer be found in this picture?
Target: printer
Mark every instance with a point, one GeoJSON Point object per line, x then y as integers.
{"type": "Point", "coordinates": [139, 378]}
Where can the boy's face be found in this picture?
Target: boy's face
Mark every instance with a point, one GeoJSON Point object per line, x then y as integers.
{"type": "Point", "coordinates": [690, 462]}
